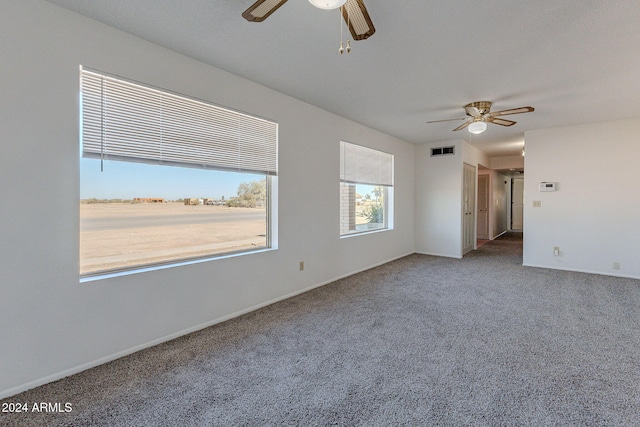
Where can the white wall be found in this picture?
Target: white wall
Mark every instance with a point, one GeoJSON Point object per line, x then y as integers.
{"type": "Point", "coordinates": [439, 201]}
{"type": "Point", "coordinates": [50, 324]}
{"type": "Point", "coordinates": [593, 217]}
{"type": "Point", "coordinates": [508, 162]}
{"type": "Point", "coordinates": [474, 157]}
{"type": "Point", "coordinates": [439, 197]}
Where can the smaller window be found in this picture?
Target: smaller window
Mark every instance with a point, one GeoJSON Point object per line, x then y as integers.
{"type": "Point", "coordinates": [366, 189]}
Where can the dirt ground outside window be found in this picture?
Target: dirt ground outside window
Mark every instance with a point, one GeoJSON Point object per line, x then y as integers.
{"type": "Point", "coordinates": [122, 235]}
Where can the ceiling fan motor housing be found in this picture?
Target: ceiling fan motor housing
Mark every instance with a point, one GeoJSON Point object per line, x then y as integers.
{"type": "Point", "coordinates": [483, 107]}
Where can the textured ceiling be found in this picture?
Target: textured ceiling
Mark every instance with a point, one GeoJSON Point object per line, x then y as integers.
{"type": "Point", "coordinates": [575, 61]}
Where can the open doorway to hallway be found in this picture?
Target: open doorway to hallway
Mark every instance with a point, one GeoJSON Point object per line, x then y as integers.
{"type": "Point", "coordinates": [491, 204]}
{"type": "Point", "coordinates": [499, 203]}
{"type": "Point", "coordinates": [499, 198]}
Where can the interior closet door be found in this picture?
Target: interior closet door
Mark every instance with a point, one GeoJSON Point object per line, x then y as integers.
{"type": "Point", "coordinates": [468, 208]}
{"type": "Point", "coordinates": [517, 204]}
{"type": "Point", "coordinates": [483, 207]}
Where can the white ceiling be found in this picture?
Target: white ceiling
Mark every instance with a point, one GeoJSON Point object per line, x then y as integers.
{"type": "Point", "coordinates": [575, 61]}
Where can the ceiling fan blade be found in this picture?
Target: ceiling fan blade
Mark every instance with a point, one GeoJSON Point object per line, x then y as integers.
{"type": "Point", "coordinates": [447, 120]}
{"type": "Point", "coordinates": [357, 18]}
{"type": "Point", "coordinates": [512, 111]}
{"type": "Point", "coordinates": [472, 111]}
{"type": "Point", "coordinates": [261, 10]}
{"type": "Point", "coordinates": [465, 124]}
{"type": "Point", "coordinates": [501, 122]}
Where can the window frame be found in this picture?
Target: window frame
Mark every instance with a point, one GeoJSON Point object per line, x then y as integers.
{"type": "Point", "coordinates": [378, 171]}
{"type": "Point", "coordinates": [270, 174]}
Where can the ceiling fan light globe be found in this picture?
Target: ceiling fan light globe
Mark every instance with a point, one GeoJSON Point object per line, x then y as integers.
{"type": "Point", "coordinates": [327, 4]}
{"type": "Point", "coordinates": [477, 127]}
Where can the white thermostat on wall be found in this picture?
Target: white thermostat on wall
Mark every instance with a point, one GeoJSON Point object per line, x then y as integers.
{"type": "Point", "coordinates": [547, 186]}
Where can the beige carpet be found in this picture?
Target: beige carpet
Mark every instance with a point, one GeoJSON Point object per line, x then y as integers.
{"type": "Point", "coordinates": [419, 341]}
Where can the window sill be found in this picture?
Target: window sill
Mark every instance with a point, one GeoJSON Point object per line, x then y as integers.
{"type": "Point", "coordinates": [143, 269]}
{"type": "Point", "coordinates": [360, 233]}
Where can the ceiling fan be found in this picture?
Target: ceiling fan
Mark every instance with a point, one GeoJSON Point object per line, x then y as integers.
{"type": "Point", "coordinates": [353, 11]}
{"type": "Point", "coordinates": [480, 114]}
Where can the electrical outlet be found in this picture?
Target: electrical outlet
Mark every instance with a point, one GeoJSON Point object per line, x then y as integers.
{"type": "Point", "coordinates": [301, 265]}
{"type": "Point", "coordinates": [556, 250]}
{"type": "Point", "coordinates": [537, 203]}
{"type": "Point", "coordinates": [616, 265]}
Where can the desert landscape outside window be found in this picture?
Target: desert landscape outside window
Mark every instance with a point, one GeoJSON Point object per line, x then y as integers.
{"type": "Point", "coordinates": [166, 178]}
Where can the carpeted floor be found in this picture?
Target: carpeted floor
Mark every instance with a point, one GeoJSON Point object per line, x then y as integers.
{"type": "Point", "coordinates": [418, 341]}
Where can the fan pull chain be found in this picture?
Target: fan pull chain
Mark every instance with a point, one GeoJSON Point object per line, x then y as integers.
{"type": "Point", "coordinates": [342, 49]}
{"type": "Point", "coordinates": [348, 23]}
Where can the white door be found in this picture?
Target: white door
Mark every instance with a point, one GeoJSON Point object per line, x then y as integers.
{"type": "Point", "coordinates": [468, 208]}
{"type": "Point", "coordinates": [517, 203]}
{"type": "Point", "coordinates": [483, 207]}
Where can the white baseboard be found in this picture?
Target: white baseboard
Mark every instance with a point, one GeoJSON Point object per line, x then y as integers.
{"type": "Point", "coordinates": [77, 369]}
{"type": "Point", "coordinates": [499, 234]}
{"type": "Point", "coordinates": [438, 254]}
{"type": "Point", "coordinates": [577, 270]}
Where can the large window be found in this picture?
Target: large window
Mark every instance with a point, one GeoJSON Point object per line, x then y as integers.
{"type": "Point", "coordinates": [166, 178]}
{"type": "Point", "coordinates": [366, 189]}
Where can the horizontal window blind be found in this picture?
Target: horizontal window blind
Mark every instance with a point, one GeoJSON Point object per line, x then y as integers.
{"type": "Point", "coordinates": [363, 165]}
{"type": "Point", "coordinates": [123, 120]}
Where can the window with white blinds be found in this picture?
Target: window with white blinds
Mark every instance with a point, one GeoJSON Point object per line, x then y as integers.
{"type": "Point", "coordinates": [364, 165]}
{"type": "Point", "coordinates": [188, 181]}
{"type": "Point", "coordinates": [366, 189]}
{"type": "Point", "coordinates": [128, 121]}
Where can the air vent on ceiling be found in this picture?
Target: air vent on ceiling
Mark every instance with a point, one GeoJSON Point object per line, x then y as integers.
{"type": "Point", "coordinates": [442, 151]}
